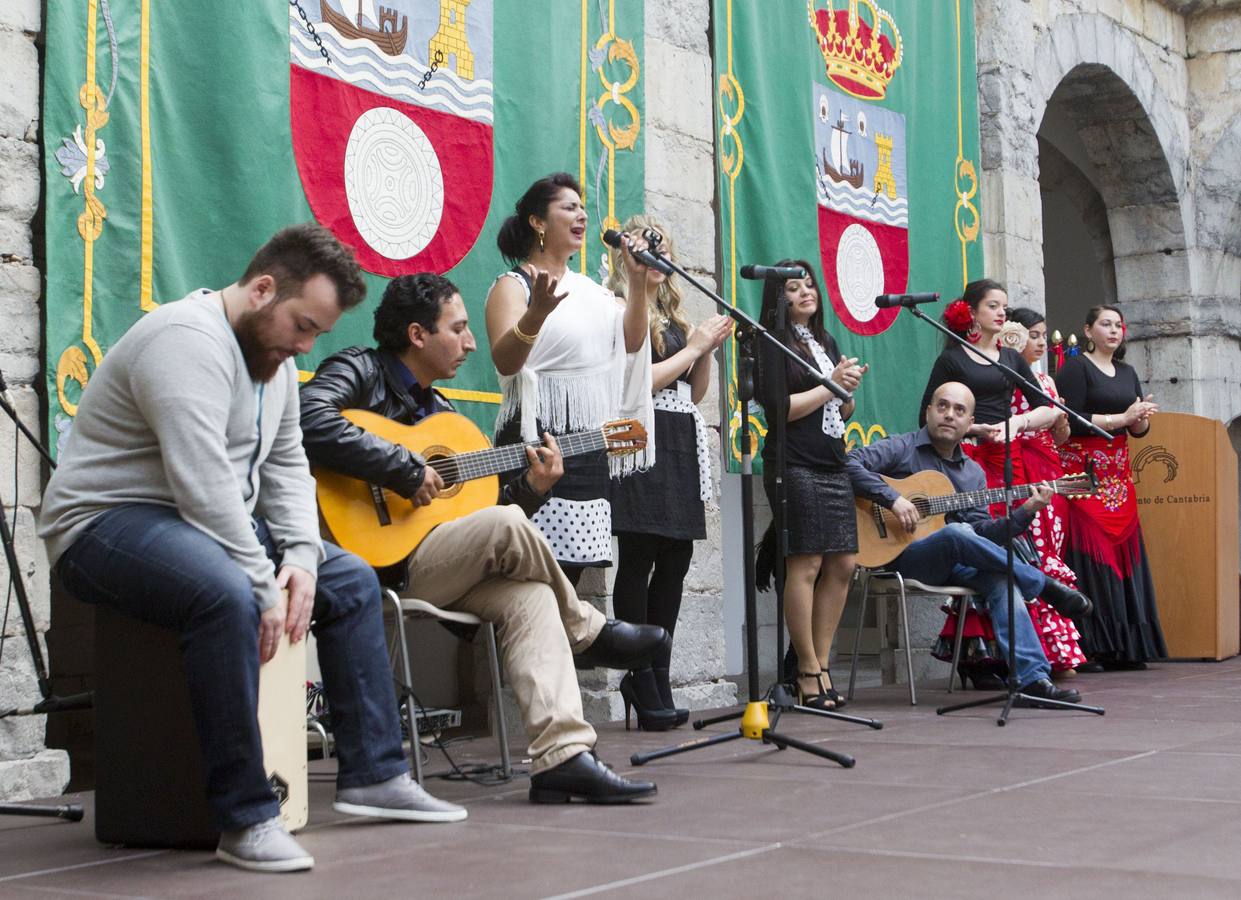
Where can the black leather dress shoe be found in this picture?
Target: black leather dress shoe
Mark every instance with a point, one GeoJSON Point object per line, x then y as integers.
{"type": "Point", "coordinates": [1042, 689]}
{"type": "Point", "coordinates": [1066, 601]}
{"type": "Point", "coordinates": [585, 777]}
{"type": "Point", "coordinates": [621, 645]}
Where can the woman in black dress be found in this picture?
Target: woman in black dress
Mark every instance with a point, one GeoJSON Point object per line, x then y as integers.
{"type": "Point", "coordinates": [1105, 545]}
{"type": "Point", "coordinates": [658, 514]}
{"type": "Point", "coordinates": [821, 526]}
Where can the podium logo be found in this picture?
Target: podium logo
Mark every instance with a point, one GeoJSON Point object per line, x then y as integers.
{"type": "Point", "coordinates": [1155, 453]}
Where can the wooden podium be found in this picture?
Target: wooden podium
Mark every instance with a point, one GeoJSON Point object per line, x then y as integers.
{"type": "Point", "coordinates": [1186, 475]}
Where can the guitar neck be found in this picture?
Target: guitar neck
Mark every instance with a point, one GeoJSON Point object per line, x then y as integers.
{"type": "Point", "coordinates": [495, 460]}
{"type": "Point", "coordinates": [937, 506]}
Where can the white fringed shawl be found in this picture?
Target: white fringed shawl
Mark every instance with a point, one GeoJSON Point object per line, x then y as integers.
{"type": "Point", "coordinates": [578, 375]}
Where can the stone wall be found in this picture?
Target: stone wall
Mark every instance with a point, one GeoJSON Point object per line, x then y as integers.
{"type": "Point", "coordinates": [27, 768]}
{"type": "Point", "coordinates": [1148, 90]}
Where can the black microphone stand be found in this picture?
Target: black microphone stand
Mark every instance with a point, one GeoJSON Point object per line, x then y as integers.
{"type": "Point", "coordinates": [1012, 690]}
{"type": "Point", "coordinates": [756, 724]}
{"type": "Point", "coordinates": [50, 702]}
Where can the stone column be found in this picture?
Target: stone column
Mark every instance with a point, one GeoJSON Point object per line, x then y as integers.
{"type": "Point", "coordinates": [27, 768]}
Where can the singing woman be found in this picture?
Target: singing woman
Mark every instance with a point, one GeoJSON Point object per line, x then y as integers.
{"type": "Point", "coordinates": [570, 356]}
{"type": "Point", "coordinates": [821, 526]}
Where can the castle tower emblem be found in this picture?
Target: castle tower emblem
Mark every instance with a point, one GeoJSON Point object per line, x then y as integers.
{"type": "Point", "coordinates": [451, 41]}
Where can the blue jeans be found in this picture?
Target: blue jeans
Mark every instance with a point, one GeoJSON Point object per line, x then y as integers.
{"type": "Point", "coordinates": [147, 562]}
{"type": "Point", "coordinates": [957, 555]}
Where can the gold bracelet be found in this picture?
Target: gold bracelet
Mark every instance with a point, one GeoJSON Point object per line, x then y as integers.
{"type": "Point", "coordinates": [527, 339]}
{"type": "Point", "coordinates": [1107, 423]}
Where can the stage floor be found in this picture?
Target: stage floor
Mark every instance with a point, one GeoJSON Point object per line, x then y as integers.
{"type": "Point", "coordinates": [1143, 802]}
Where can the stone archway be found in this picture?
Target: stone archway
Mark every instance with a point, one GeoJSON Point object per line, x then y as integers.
{"type": "Point", "coordinates": [1091, 76]}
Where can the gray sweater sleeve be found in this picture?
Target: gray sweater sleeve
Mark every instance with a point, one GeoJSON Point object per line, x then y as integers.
{"type": "Point", "coordinates": [287, 492]}
{"type": "Point", "coordinates": [182, 383]}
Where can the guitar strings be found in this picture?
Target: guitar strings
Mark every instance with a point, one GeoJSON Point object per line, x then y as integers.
{"type": "Point", "coordinates": [492, 460]}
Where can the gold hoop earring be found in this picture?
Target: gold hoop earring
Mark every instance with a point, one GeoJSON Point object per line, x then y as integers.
{"type": "Point", "coordinates": [540, 241]}
{"type": "Point", "coordinates": [1089, 345]}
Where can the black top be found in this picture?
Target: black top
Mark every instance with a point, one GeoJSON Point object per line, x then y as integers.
{"type": "Point", "coordinates": [664, 500]}
{"type": "Point", "coordinates": [806, 445]}
{"type": "Point", "coordinates": [1086, 389]}
{"type": "Point", "coordinates": [993, 395]}
{"type": "Point", "coordinates": [903, 455]}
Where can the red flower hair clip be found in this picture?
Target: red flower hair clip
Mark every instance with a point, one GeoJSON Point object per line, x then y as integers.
{"type": "Point", "coordinates": [959, 317]}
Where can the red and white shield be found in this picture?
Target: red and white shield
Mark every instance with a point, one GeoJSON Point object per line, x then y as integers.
{"type": "Point", "coordinates": [391, 113]}
{"type": "Point", "coordinates": [862, 195]}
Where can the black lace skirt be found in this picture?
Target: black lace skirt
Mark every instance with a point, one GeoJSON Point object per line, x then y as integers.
{"type": "Point", "coordinates": [821, 516]}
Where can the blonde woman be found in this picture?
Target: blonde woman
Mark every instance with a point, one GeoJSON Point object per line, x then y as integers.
{"type": "Point", "coordinates": [658, 514]}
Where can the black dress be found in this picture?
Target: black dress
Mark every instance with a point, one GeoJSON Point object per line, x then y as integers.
{"type": "Point", "coordinates": [1105, 547]}
{"type": "Point", "coordinates": [818, 494]}
{"type": "Point", "coordinates": [665, 500]}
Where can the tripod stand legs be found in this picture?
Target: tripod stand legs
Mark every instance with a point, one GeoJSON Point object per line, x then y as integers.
{"type": "Point", "coordinates": [1010, 702]}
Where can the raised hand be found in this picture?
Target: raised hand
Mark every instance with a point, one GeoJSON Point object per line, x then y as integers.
{"type": "Point", "coordinates": [848, 374]}
{"type": "Point", "coordinates": [1141, 410]}
{"type": "Point", "coordinates": [543, 296]}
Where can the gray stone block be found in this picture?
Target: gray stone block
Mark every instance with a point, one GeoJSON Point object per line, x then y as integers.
{"type": "Point", "coordinates": [679, 166]}
{"type": "Point", "coordinates": [28, 466]}
{"type": "Point", "coordinates": [19, 189]}
{"type": "Point", "coordinates": [20, 15]}
{"type": "Point", "coordinates": [19, 84]}
{"type": "Point", "coordinates": [682, 23]}
{"type": "Point", "coordinates": [32, 556]}
{"type": "Point", "coordinates": [42, 776]}
{"type": "Point", "coordinates": [674, 74]}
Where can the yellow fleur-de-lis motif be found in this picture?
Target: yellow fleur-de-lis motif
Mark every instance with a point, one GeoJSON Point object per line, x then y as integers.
{"type": "Point", "coordinates": [625, 137]}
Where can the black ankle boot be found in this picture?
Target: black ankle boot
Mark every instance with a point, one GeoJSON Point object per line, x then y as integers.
{"type": "Point", "coordinates": [664, 686]}
{"type": "Point", "coordinates": [638, 690]}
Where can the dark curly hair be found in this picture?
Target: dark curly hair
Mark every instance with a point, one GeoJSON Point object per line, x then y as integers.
{"type": "Point", "coordinates": [408, 299]}
{"type": "Point", "coordinates": [516, 239]}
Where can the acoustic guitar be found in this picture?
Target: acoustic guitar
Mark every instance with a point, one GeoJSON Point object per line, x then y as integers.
{"type": "Point", "coordinates": [383, 527]}
{"type": "Point", "coordinates": [882, 537]}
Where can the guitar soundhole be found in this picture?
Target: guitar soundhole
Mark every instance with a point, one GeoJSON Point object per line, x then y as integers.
{"type": "Point", "coordinates": [431, 454]}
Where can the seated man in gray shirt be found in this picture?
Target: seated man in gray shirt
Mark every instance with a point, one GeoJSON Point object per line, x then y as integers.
{"type": "Point", "coordinates": [183, 498]}
{"type": "Point", "coordinates": [968, 552]}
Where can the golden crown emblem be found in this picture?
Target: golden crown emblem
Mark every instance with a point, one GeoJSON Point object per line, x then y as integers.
{"type": "Point", "coordinates": [862, 53]}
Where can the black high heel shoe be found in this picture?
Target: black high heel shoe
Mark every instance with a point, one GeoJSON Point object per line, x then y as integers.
{"type": "Point", "coordinates": [639, 692]}
{"type": "Point", "coordinates": [664, 686]}
{"type": "Point", "coordinates": [831, 693]}
{"type": "Point", "coordinates": [822, 700]}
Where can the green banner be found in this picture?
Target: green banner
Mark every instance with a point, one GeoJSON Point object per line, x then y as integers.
{"type": "Point", "coordinates": [847, 135]}
{"type": "Point", "coordinates": [179, 137]}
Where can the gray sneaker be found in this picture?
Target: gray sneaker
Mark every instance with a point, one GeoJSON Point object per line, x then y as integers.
{"type": "Point", "coordinates": [263, 847]}
{"type": "Point", "coordinates": [397, 798]}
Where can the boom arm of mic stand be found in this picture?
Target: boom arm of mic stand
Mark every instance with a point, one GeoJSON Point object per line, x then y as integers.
{"type": "Point", "coordinates": [744, 320]}
{"type": "Point", "coordinates": [1014, 378]}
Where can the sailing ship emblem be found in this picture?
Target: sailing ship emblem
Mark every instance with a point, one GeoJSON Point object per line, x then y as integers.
{"type": "Point", "coordinates": [387, 37]}
{"type": "Point", "coordinates": [863, 206]}
{"type": "Point", "coordinates": [391, 108]}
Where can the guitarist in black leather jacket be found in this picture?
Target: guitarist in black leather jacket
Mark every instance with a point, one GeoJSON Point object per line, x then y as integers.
{"type": "Point", "coordinates": [494, 562]}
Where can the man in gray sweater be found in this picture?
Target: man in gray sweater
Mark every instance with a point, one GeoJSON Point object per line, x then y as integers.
{"type": "Point", "coordinates": [183, 498]}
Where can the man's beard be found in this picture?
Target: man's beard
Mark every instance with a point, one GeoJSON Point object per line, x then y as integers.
{"type": "Point", "coordinates": [253, 332]}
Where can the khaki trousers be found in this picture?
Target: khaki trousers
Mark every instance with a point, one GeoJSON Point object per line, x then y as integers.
{"type": "Point", "coordinates": [497, 565]}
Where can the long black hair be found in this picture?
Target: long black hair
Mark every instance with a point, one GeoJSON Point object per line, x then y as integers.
{"type": "Point", "coordinates": [517, 238]}
{"type": "Point", "coordinates": [1025, 316]}
{"type": "Point", "coordinates": [773, 293]}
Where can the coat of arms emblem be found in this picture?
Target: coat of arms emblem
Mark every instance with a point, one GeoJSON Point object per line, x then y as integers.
{"type": "Point", "coordinates": [392, 118]}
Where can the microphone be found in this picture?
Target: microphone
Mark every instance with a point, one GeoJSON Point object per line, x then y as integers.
{"type": "Point", "coordinates": [776, 273]}
{"type": "Point", "coordinates": [612, 238]}
{"type": "Point", "coordinates": [883, 301]}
